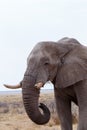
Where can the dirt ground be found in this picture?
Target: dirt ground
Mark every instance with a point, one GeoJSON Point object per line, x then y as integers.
{"type": "Point", "coordinates": [22, 122]}
{"type": "Point", "coordinates": [13, 116]}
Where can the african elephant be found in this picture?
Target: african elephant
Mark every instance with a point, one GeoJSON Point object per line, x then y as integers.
{"type": "Point", "coordinates": [64, 63]}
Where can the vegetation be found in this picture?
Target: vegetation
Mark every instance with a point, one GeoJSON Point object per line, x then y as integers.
{"type": "Point", "coordinates": [14, 117]}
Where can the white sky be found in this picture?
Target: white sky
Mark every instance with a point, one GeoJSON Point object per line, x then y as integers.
{"type": "Point", "coordinates": [23, 23]}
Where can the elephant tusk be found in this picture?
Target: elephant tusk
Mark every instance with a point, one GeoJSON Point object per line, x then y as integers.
{"type": "Point", "coordinates": [39, 85]}
{"type": "Point", "coordinates": [13, 86]}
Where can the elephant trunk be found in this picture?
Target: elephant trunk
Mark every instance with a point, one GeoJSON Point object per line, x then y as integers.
{"type": "Point", "coordinates": [30, 99]}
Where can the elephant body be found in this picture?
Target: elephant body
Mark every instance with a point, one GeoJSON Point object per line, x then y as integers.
{"type": "Point", "coordinates": [64, 63]}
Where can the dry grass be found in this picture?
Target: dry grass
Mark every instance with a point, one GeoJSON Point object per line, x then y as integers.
{"type": "Point", "coordinates": [13, 116]}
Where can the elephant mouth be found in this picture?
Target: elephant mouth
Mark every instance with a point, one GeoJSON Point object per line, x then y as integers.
{"type": "Point", "coordinates": [39, 85]}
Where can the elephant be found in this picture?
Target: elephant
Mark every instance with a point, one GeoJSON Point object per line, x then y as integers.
{"type": "Point", "coordinates": [64, 63]}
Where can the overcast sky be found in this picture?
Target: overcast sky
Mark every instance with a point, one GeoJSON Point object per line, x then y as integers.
{"type": "Point", "coordinates": [23, 23]}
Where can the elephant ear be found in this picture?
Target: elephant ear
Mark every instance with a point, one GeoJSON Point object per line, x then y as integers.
{"type": "Point", "coordinates": [73, 68]}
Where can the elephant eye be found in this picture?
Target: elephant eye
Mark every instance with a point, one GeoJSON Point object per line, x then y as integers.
{"type": "Point", "coordinates": [46, 63]}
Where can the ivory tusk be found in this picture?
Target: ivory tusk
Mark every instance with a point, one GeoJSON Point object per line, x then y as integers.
{"type": "Point", "coordinates": [13, 86]}
{"type": "Point", "coordinates": [39, 85]}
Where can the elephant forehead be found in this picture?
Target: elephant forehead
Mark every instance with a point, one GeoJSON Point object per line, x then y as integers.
{"type": "Point", "coordinates": [45, 46]}
{"type": "Point", "coordinates": [34, 57]}
{"type": "Point", "coordinates": [42, 49]}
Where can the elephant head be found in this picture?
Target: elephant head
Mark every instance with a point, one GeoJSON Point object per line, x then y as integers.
{"type": "Point", "coordinates": [61, 62]}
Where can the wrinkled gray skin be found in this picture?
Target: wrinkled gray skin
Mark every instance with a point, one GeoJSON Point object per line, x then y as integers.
{"type": "Point", "coordinates": [65, 64]}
